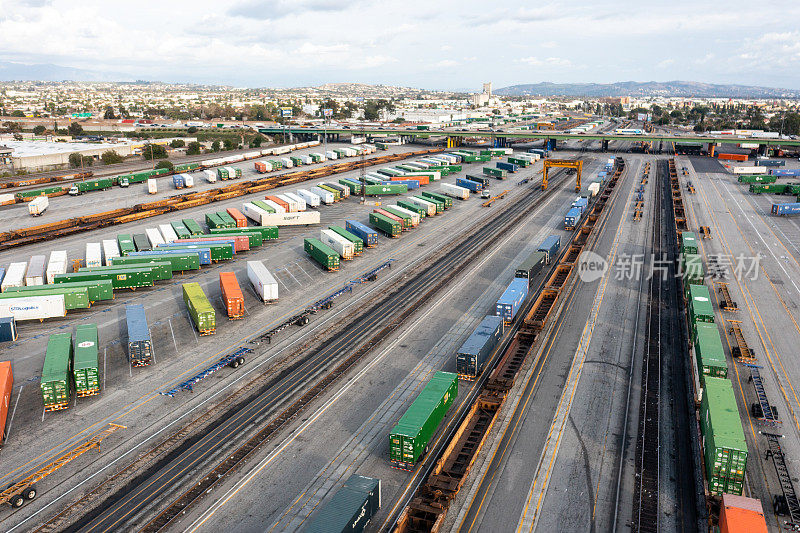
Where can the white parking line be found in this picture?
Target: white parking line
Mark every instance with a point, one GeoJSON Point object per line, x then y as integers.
{"type": "Point", "coordinates": [19, 393]}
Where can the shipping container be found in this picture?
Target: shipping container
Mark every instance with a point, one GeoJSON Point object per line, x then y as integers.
{"type": "Point", "coordinates": [56, 382]}
{"type": "Point", "coordinates": [689, 243]}
{"type": "Point", "coordinates": [390, 227]}
{"type": "Point", "coordinates": [200, 309]}
{"type": "Point", "coordinates": [473, 186]}
{"type": "Point", "coordinates": [357, 242]}
{"type": "Point", "coordinates": [709, 352]}
{"type": "Point", "coordinates": [263, 281]}
{"type": "Point", "coordinates": [757, 179]}
{"type": "Point", "coordinates": [154, 236]}
{"type": "Point", "coordinates": [121, 279]}
{"type": "Point", "coordinates": [268, 207]}
{"type": "Point", "coordinates": [6, 385]}
{"type": "Point", "coordinates": [33, 307]}
{"type": "Point", "coordinates": [476, 350]}
{"type": "Point", "coordinates": [692, 270]}
{"type": "Point", "coordinates": [355, 186]}
{"type": "Point", "coordinates": [326, 197]}
{"type": "Point", "coordinates": [141, 242]}
{"type": "Point", "coordinates": [739, 514]}
{"type": "Point", "coordinates": [257, 234]}
{"type": "Point", "coordinates": [35, 271]}
{"type": "Point", "coordinates": [531, 266]}
{"type": "Point", "coordinates": [167, 234]}
{"type": "Point", "coordinates": [231, 295]}
{"type": "Point", "coordinates": [290, 219]}
{"type": "Point", "coordinates": [322, 253]}
{"type": "Point", "coordinates": [498, 173]}
{"type": "Point", "coordinates": [431, 198]}
{"type": "Point", "coordinates": [349, 510]}
{"type": "Point", "coordinates": [140, 346]}
{"type": "Point", "coordinates": [700, 308]}
{"type": "Point", "coordinates": [8, 331]}
{"type": "Point", "coordinates": [410, 218]}
{"type": "Point", "coordinates": [786, 209]}
{"type": "Point", "coordinates": [74, 297]}
{"type": "Point", "coordinates": [405, 222]}
{"type": "Point", "coordinates": [454, 191]}
{"type": "Point", "coordinates": [237, 216]}
{"type": "Point", "coordinates": [152, 186]}
{"type": "Point", "coordinates": [385, 188]}
{"type": "Point", "coordinates": [364, 232]}
{"type": "Point", "coordinates": [97, 290]}
{"type": "Point", "coordinates": [550, 246]}
{"type": "Point", "coordinates": [214, 221]}
{"type": "Point", "coordinates": [509, 167]}
{"type": "Point", "coordinates": [337, 194]}
{"type": "Point", "coordinates": [159, 270]}
{"type": "Point", "coordinates": [421, 210]}
{"type": "Point", "coordinates": [724, 446]}
{"type": "Point", "coordinates": [57, 264]}
{"type": "Point", "coordinates": [180, 262]}
{"type": "Point", "coordinates": [343, 191]}
{"type": "Point", "coordinates": [180, 229]}
{"type": "Point", "coordinates": [86, 369]}
{"type": "Point", "coordinates": [512, 299]}
{"type": "Point", "coordinates": [409, 439]}
{"type": "Point", "coordinates": [423, 202]}
{"type": "Point", "coordinates": [312, 200]}
{"type": "Point", "coordinates": [38, 206]}
{"type": "Point", "coordinates": [785, 172]}
{"type": "Point", "coordinates": [263, 167]}
{"type": "Point", "coordinates": [277, 205]}
{"type": "Point", "coordinates": [572, 218]}
{"type": "Point", "coordinates": [203, 254]}
{"type": "Point", "coordinates": [216, 251]}
{"type": "Point", "coordinates": [192, 226]}
{"type": "Point", "coordinates": [177, 181]}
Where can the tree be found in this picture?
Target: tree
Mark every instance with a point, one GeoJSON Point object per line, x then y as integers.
{"type": "Point", "coordinates": [656, 110]}
{"type": "Point", "coordinates": [154, 151]}
{"type": "Point", "coordinates": [257, 140]}
{"type": "Point", "coordinates": [123, 112]}
{"type": "Point", "coordinates": [75, 129]}
{"type": "Point", "coordinates": [109, 114]}
{"type": "Point", "coordinates": [177, 143]}
{"type": "Point", "coordinates": [110, 157]}
{"type": "Point", "coordinates": [77, 160]}
{"type": "Point", "coordinates": [215, 146]}
{"type": "Point", "coordinates": [193, 148]}
{"type": "Point", "coordinates": [39, 130]}
{"type": "Point", "coordinates": [676, 115]}
{"type": "Point", "coordinates": [165, 164]}
{"type": "Point", "coordinates": [191, 129]}
{"type": "Point", "coordinates": [228, 144]}
{"type": "Point", "coordinates": [17, 113]}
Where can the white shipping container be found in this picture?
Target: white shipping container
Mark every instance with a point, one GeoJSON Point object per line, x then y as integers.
{"type": "Point", "coordinates": [415, 219]}
{"type": "Point", "coordinates": [252, 155]}
{"type": "Point", "coordinates": [110, 250]}
{"type": "Point", "coordinates": [312, 143]}
{"type": "Point", "coordinates": [280, 150]}
{"type": "Point", "coordinates": [290, 219]}
{"type": "Point", "coordinates": [210, 175]}
{"type": "Point", "coordinates": [331, 155]}
{"type": "Point", "coordinates": [33, 307]}
{"type": "Point", "coordinates": [15, 276]}
{"type": "Point", "coordinates": [38, 205]}
{"type": "Point", "coordinates": [293, 205]}
{"type": "Point", "coordinates": [253, 212]}
{"type": "Point", "coordinates": [320, 156]}
{"type": "Point", "coordinates": [287, 163]}
{"type": "Point", "coordinates": [154, 236]}
{"type": "Point", "coordinates": [455, 191]}
{"type": "Point", "coordinates": [35, 273]}
{"type": "Point", "coordinates": [167, 232]}
{"type": "Point", "coordinates": [152, 186]}
{"type": "Point", "coordinates": [188, 181]}
{"type": "Point", "coordinates": [7, 199]}
{"type": "Point", "coordinates": [276, 206]}
{"type": "Point", "coordinates": [263, 282]}
{"type": "Point", "coordinates": [594, 188]}
{"type": "Point", "coordinates": [267, 151]}
{"type": "Point", "coordinates": [749, 170]}
{"type": "Point", "coordinates": [301, 204]}
{"type": "Point", "coordinates": [325, 196]}
{"type": "Point", "coordinates": [305, 158]}
{"type": "Point", "coordinates": [57, 264]}
{"type": "Point", "coordinates": [94, 254]}
{"type": "Point", "coordinates": [342, 246]}
{"type": "Point", "coordinates": [312, 200]}
{"type": "Point", "coordinates": [424, 204]}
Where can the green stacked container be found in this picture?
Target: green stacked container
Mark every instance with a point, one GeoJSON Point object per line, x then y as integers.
{"type": "Point", "coordinates": [200, 308]}
{"type": "Point", "coordinates": [97, 290]}
{"type": "Point", "coordinates": [382, 190]}
{"type": "Point", "coordinates": [438, 203]}
{"type": "Point", "coordinates": [125, 243]}
{"type": "Point", "coordinates": [254, 237]}
{"type": "Point", "coordinates": [519, 162]}
{"type": "Point", "coordinates": [86, 369]}
{"type": "Point", "coordinates": [409, 439]}
{"type": "Point", "coordinates": [358, 243]}
{"type": "Point", "coordinates": [120, 279]}
{"type": "Point", "coordinates": [193, 227]}
{"type": "Point", "coordinates": [689, 243]}
{"type": "Point", "coordinates": [56, 382]}
{"type": "Point", "coordinates": [693, 271]}
{"type": "Point", "coordinates": [771, 188]}
{"type": "Point", "coordinates": [177, 262]}
{"type": "Point", "coordinates": [700, 308]}
{"type": "Point", "coordinates": [709, 351]}
{"type": "Point", "coordinates": [261, 204]}
{"type": "Point", "coordinates": [355, 188]}
{"type": "Point", "coordinates": [413, 207]}
{"type": "Point", "coordinates": [390, 227]}
{"type": "Point", "coordinates": [435, 196]}
{"type": "Point", "coordinates": [322, 253]}
{"type": "Point", "coordinates": [74, 297]}
{"type": "Point", "coordinates": [161, 270]}
{"type": "Point", "coordinates": [337, 194]}
{"type": "Point", "coordinates": [724, 446]}
{"type": "Point", "coordinates": [213, 220]}
{"type": "Point", "coordinates": [180, 230]}
{"type": "Point", "coordinates": [267, 233]}
{"type": "Point", "coordinates": [227, 220]}
{"type": "Point", "coordinates": [495, 172]}
{"type": "Point", "coordinates": [219, 252]}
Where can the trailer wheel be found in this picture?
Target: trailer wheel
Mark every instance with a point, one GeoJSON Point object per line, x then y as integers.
{"type": "Point", "coordinates": [241, 360]}
{"type": "Point", "coordinates": [17, 501]}
{"type": "Point", "coordinates": [30, 493]}
{"type": "Point", "coordinates": [234, 363]}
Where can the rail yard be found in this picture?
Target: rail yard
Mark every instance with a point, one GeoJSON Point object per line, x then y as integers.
{"type": "Point", "coordinates": [404, 337]}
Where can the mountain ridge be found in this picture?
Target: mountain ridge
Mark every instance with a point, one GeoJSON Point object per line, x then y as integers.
{"type": "Point", "coordinates": [674, 88]}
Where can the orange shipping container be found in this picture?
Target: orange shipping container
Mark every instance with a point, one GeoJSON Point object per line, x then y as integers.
{"type": "Point", "coordinates": [6, 383]}
{"type": "Point", "coordinates": [732, 157]}
{"type": "Point", "coordinates": [232, 294]}
{"type": "Point", "coordinates": [261, 167]}
{"type": "Point", "coordinates": [423, 180]}
{"type": "Point", "coordinates": [279, 202]}
{"type": "Point", "coordinates": [241, 220]}
{"type": "Point", "coordinates": [741, 515]}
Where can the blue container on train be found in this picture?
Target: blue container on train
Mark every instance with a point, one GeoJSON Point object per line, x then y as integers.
{"type": "Point", "coordinates": [411, 184]}
{"type": "Point", "coordinates": [581, 203]}
{"type": "Point", "coordinates": [511, 167]}
{"type": "Point", "coordinates": [203, 253]}
{"type": "Point", "coordinates": [512, 299]}
{"type": "Point", "coordinates": [473, 186]}
{"type": "Point", "coordinates": [785, 172]}
{"type": "Point", "coordinates": [367, 234]}
{"type": "Point", "coordinates": [550, 246]}
{"type": "Point", "coordinates": [8, 329]}
{"type": "Point", "coordinates": [177, 181]}
{"type": "Point", "coordinates": [473, 354]}
{"type": "Point", "coordinates": [601, 177]}
{"type": "Point", "coordinates": [572, 218]}
{"type": "Point", "coordinates": [770, 163]}
{"type": "Point", "coordinates": [786, 209]}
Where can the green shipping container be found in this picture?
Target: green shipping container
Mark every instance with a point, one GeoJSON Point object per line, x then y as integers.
{"type": "Point", "coordinates": [219, 252]}
{"type": "Point", "coordinates": [85, 370]}
{"type": "Point", "coordinates": [700, 308]}
{"type": "Point", "coordinates": [495, 172]}
{"type": "Point", "coordinates": [213, 221]}
{"type": "Point", "coordinates": [355, 188]}
{"type": "Point", "coordinates": [358, 243]}
{"type": "Point", "coordinates": [56, 383]}
{"type": "Point", "coordinates": [757, 179]}
{"type": "Point", "coordinates": [770, 188]}
{"type": "Point", "coordinates": [95, 185]}
{"type": "Point", "coordinates": [405, 217]}
{"type": "Point", "coordinates": [689, 243]}
{"type": "Point", "coordinates": [186, 167]}
{"type": "Point", "coordinates": [439, 204]}
{"type": "Point", "coordinates": [227, 220]}
{"type": "Point", "coordinates": [454, 168]}
{"type": "Point", "coordinates": [180, 230]}
{"type": "Point", "coordinates": [693, 271]}
{"type": "Point", "coordinates": [337, 194]}
{"type": "Point", "coordinates": [74, 297]}
{"type": "Point", "coordinates": [517, 161]}
{"type": "Point", "coordinates": [709, 351]}
{"type": "Point", "coordinates": [448, 202]}
{"type": "Point", "coordinates": [200, 308]}
{"type": "Point", "coordinates": [97, 290]}
{"type": "Point", "coordinates": [125, 243]}
{"type": "Point", "coordinates": [409, 439]}
{"type": "Point", "coordinates": [161, 271]}
{"type": "Point", "coordinates": [724, 445]}
{"type": "Point", "coordinates": [254, 237]}
{"type": "Point", "coordinates": [177, 262]}
{"type": "Point", "coordinates": [322, 253]}
{"type": "Point", "coordinates": [268, 233]}
{"type": "Point", "coordinates": [382, 190]}
{"type": "Point", "coordinates": [261, 204]}
{"type": "Point", "coordinates": [193, 227]}
{"type": "Point", "coordinates": [388, 226]}
{"type": "Point", "coordinates": [121, 279]}
{"type": "Point", "coordinates": [413, 207]}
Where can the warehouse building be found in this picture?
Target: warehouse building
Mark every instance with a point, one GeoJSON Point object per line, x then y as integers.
{"type": "Point", "coordinates": [40, 156]}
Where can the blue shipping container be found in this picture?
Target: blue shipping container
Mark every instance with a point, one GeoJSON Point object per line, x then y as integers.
{"type": "Point", "coordinates": [8, 329]}
{"type": "Point", "coordinates": [349, 510]}
{"type": "Point", "coordinates": [785, 172]}
{"type": "Point", "coordinates": [177, 181]}
{"type": "Point", "coordinates": [550, 246]}
{"type": "Point", "coordinates": [2, 274]}
{"type": "Point", "coordinates": [229, 242]}
{"type": "Point", "coordinates": [511, 167]}
{"type": "Point", "coordinates": [770, 163]}
{"type": "Point", "coordinates": [204, 254]}
{"type": "Point", "coordinates": [581, 203]}
{"type": "Point", "coordinates": [512, 299]}
{"type": "Point", "coordinates": [786, 209]}
{"type": "Point", "coordinates": [367, 234]}
{"type": "Point", "coordinates": [411, 184]}
{"type": "Point", "coordinates": [140, 347]}
{"type": "Point", "coordinates": [469, 184]}
{"type": "Point", "coordinates": [473, 354]}
{"type": "Point", "coordinates": [572, 218]}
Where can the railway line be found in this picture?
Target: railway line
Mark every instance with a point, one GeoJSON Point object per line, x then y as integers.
{"type": "Point", "coordinates": [330, 360]}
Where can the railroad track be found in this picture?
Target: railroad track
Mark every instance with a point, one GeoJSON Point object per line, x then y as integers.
{"type": "Point", "coordinates": [256, 420]}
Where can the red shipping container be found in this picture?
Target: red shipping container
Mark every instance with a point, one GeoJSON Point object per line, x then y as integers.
{"type": "Point", "coordinates": [423, 180]}
{"type": "Point", "coordinates": [241, 220]}
{"type": "Point", "coordinates": [232, 294]}
{"type": "Point", "coordinates": [279, 202]}
{"type": "Point", "coordinates": [6, 383]}
{"type": "Point", "coordinates": [739, 514]}
{"type": "Point", "coordinates": [261, 167]}
{"type": "Point", "coordinates": [241, 243]}
{"type": "Point", "coordinates": [393, 217]}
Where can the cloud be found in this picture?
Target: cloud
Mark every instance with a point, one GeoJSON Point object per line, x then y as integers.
{"type": "Point", "coordinates": [547, 62]}
{"type": "Point", "coordinates": [275, 9]}
{"type": "Point", "coordinates": [446, 63]}
{"type": "Point", "coordinates": [665, 63]}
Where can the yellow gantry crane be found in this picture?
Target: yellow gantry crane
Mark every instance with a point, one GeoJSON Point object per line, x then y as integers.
{"type": "Point", "coordinates": [577, 164]}
{"type": "Point", "coordinates": [23, 490]}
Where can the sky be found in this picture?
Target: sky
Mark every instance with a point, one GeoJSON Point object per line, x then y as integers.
{"type": "Point", "coordinates": [448, 45]}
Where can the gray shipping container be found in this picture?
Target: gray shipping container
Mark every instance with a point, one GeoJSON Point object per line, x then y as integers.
{"type": "Point", "coordinates": [350, 509]}
{"type": "Point", "coordinates": [140, 347]}
{"type": "Point", "coordinates": [34, 275]}
{"type": "Point", "coordinates": [531, 266]}
{"type": "Point", "coordinates": [550, 246]}
{"type": "Point", "coordinates": [473, 354]}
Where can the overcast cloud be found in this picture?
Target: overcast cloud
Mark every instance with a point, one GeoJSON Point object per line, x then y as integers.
{"type": "Point", "coordinates": [437, 45]}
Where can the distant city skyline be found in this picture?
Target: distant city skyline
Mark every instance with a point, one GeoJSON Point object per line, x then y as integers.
{"type": "Point", "coordinates": [439, 46]}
